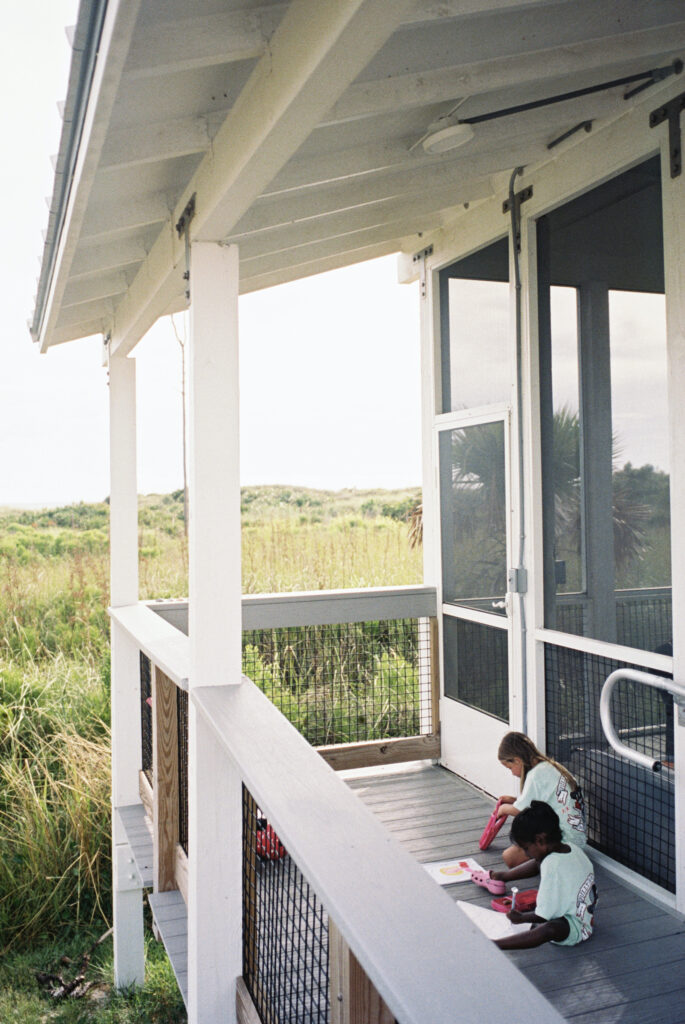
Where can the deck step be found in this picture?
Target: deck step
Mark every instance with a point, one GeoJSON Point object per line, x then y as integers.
{"type": "Point", "coordinates": [138, 829]}
{"type": "Point", "coordinates": [171, 918]}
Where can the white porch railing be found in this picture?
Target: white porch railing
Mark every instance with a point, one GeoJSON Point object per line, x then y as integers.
{"type": "Point", "coordinates": [399, 944]}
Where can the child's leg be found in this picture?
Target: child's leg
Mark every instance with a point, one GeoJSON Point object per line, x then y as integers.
{"type": "Point", "coordinates": [513, 856]}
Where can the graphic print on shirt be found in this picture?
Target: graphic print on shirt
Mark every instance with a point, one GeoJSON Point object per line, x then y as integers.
{"type": "Point", "coordinates": [585, 906]}
{"type": "Point", "coordinates": [574, 811]}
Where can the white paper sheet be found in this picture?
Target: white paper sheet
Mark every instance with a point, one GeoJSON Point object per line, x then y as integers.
{"type": "Point", "coordinates": [458, 869]}
{"type": "Point", "coordinates": [490, 922]}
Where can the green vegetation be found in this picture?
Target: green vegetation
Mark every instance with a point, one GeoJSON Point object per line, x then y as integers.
{"type": "Point", "coordinates": [54, 708]}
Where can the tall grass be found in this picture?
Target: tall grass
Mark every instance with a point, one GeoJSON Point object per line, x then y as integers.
{"type": "Point", "coordinates": [54, 668]}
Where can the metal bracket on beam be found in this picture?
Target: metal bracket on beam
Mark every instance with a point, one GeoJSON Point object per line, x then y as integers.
{"type": "Point", "coordinates": [182, 230]}
{"type": "Point", "coordinates": [420, 257]}
{"type": "Point", "coordinates": [519, 198]}
{"type": "Point", "coordinates": [671, 111]}
{"type": "Point", "coordinates": [184, 220]}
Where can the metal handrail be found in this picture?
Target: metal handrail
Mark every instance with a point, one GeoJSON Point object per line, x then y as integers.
{"type": "Point", "coordinates": [646, 679]}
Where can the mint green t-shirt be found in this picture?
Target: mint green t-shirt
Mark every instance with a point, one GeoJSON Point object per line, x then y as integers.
{"type": "Point", "coordinates": [567, 889]}
{"type": "Point", "coordinates": [545, 782]}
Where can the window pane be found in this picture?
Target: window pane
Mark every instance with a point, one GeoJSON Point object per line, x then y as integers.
{"type": "Point", "coordinates": [476, 666]}
{"type": "Point", "coordinates": [604, 414]}
{"type": "Point", "coordinates": [473, 513]}
{"type": "Point", "coordinates": [475, 332]}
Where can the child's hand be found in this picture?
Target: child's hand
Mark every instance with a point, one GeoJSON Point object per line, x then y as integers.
{"type": "Point", "coordinates": [516, 917]}
{"type": "Point", "coordinates": [507, 799]}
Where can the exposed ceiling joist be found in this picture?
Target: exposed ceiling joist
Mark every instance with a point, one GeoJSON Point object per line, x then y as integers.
{"type": "Point", "coordinates": [94, 259]}
{"type": "Point", "coordinates": [110, 221]}
{"type": "Point", "coordinates": [78, 292]}
{"type": "Point", "coordinates": [402, 92]}
{"type": "Point", "coordinates": [282, 102]}
{"type": "Point", "coordinates": [200, 41]}
{"type": "Point", "coordinates": [126, 147]}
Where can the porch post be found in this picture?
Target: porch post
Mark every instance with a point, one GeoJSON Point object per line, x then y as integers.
{"type": "Point", "coordinates": [215, 633]}
{"type": "Point", "coordinates": [673, 190]}
{"type": "Point", "coordinates": [129, 956]}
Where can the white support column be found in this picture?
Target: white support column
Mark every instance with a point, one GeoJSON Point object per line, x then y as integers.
{"type": "Point", "coordinates": [214, 615]}
{"type": "Point", "coordinates": [129, 957]}
{"type": "Point", "coordinates": [215, 633]}
{"type": "Point", "coordinates": [674, 266]}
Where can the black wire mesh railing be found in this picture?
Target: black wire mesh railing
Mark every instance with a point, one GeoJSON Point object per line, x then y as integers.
{"type": "Point", "coordinates": [285, 930]}
{"type": "Point", "coordinates": [146, 715]}
{"type": "Point", "coordinates": [630, 809]}
{"type": "Point", "coordinates": [182, 732]}
{"type": "Point", "coordinates": [346, 682]}
{"type": "Point", "coordinates": [477, 666]}
{"type": "Point", "coordinates": [643, 620]}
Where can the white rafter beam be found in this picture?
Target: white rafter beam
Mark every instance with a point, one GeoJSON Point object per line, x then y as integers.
{"type": "Point", "coordinates": [440, 85]}
{"type": "Point", "coordinates": [325, 246]}
{"type": "Point", "coordinates": [314, 55]}
{"type": "Point", "coordinates": [202, 41]}
{"type": "Point", "coordinates": [389, 211]}
{"type": "Point", "coordinates": [150, 143]}
{"type": "Point", "coordinates": [117, 218]}
{"type": "Point", "coordinates": [169, 46]}
{"type": "Point", "coordinates": [93, 259]}
{"type": "Point", "coordinates": [88, 289]}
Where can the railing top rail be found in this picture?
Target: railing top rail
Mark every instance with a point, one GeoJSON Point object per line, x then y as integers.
{"type": "Point", "coordinates": [328, 607]}
{"type": "Point", "coordinates": [321, 607]}
{"type": "Point", "coordinates": [382, 901]}
{"type": "Point", "coordinates": [165, 646]}
{"type": "Point", "coordinates": [645, 679]}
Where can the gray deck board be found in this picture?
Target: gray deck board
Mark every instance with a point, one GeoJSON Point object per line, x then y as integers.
{"type": "Point", "coordinates": [171, 918]}
{"type": "Point", "coordinates": [139, 835]}
{"type": "Point", "coordinates": [630, 972]}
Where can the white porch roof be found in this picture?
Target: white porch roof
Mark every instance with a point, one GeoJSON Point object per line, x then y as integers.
{"type": "Point", "coordinates": [298, 126]}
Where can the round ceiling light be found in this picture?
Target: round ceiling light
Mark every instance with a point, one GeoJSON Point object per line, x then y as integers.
{"type": "Point", "coordinates": [448, 138]}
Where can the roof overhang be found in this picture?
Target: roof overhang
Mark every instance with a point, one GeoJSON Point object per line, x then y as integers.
{"type": "Point", "coordinates": [298, 127]}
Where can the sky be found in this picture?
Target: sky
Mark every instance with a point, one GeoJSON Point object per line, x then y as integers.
{"type": "Point", "coordinates": [340, 350]}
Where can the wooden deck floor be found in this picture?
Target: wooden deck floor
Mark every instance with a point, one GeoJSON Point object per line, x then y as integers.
{"type": "Point", "coordinates": [631, 970]}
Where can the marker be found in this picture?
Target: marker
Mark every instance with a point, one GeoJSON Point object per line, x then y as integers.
{"type": "Point", "coordinates": [514, 892]}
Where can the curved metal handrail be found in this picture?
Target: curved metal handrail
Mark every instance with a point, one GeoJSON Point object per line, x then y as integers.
{"type": "Point", "coordinates": [635, 676]}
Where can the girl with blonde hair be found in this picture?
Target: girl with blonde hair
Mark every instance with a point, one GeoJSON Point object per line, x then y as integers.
{"type": "Point", "coordinates": [540, 778]}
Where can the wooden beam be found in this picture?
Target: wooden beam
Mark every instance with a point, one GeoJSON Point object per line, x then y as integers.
{"type": "Point", "coordinates": [373, 753]}
{"type": "Point", "coordinates": [353, 998]}
{"type": "Point", "coordinates": [326, 246]}
{"type": "Point", "coordinates": [91, 260]}
{"type": "Point", "coordinates": [169, 46]}
{"type": "Point", "coordinates": [295, 272]}
{"type": "Point", "coordinates": [151, 143]}
{"type": "Point", "coordinates": [165, 788]}
{"type": "Point", "coordinates": [181, 873]}
{"type": "Point", "coordinates": [471, 78]}
{"type": "Point", "coordinates": [110, 220]}
{"type": "Point", "coordinates": [166, 46]}
{"type": "Point", "coordinates": [451, 185]}
{"type": "Point", "coordinates": [104, 286]}
{"type": "Point", "coordinates": [314, 55]}
{"type": "Point", "coordinates": [145, 791]}
{"type": "Point", "coordinates": [245, 1008]}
